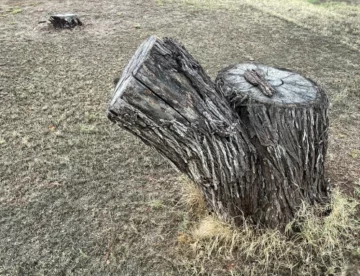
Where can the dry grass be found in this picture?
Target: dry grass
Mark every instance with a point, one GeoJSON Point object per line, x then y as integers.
{"type": "Point", "coordinates": [322, 247]}
{"type": "Point", "coordinates": [192, 197]}
{"type": "Point", "coordinates": [78, 196]}
{"type": "Point", "coordinates": [334, 19]}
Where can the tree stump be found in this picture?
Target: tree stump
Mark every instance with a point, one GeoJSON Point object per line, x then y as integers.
{"type": "Point", "coordinates": [65, 21]}
{"type": "Point", "coordinates": [250, 161]}
{"type": "Point", "coordinates": [287, 123]}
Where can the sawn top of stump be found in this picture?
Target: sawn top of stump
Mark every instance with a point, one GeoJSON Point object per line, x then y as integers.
{"type": "Point", "coordinates": [290, 88]}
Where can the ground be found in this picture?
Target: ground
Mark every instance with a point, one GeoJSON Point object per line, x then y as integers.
{"type": "Point", "coordinates": [79, 196]}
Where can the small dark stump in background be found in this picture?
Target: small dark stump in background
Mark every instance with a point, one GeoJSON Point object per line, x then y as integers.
{"type": "Point", "coordinates": [65, 21]}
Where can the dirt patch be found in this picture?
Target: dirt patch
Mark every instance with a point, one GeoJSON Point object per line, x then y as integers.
{"type": "Point", "coordinates": [78, 196]}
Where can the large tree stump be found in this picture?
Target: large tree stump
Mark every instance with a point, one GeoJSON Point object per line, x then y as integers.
{"type": "Point", "coordinates": [240, 161]}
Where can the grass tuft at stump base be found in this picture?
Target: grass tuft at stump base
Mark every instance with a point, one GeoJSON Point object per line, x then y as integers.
{"type": "Point", "coordinates": [321, 247]}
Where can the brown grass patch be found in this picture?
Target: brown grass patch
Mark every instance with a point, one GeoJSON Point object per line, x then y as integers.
{"type": "Point", "coordinates": [334, 19]}
{"type": "Point", "coordinates": [322, 247]}
{"type": "Point", "coordinates": [192, 197]}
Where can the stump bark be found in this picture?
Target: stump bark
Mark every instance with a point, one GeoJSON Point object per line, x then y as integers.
{"type": "Point", "coordinates": [288, 128]}
{"type": "Point", "coordinates": [252, 155]}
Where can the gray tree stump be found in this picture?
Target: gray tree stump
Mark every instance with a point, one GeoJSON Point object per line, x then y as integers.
{"type": "Point", "coordinates": [65, 21]}
{"type": "Point", "coordinates": [237, 156]}
{"type": "Point", "coordinates": [289, 129]}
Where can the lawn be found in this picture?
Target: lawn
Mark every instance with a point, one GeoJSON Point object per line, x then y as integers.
{"type": "Point", "coordinates": [78, 195]}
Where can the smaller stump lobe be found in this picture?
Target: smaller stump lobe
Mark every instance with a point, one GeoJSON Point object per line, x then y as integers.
{"type": "Point", "coordinates": [289, 130]}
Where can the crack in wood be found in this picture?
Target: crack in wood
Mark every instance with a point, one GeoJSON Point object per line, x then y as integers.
{"type": "Point", "coordinates": [257, 79]}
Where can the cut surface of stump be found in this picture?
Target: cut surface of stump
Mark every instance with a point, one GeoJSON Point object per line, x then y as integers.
{"type": "Point", "coordinates": [65, 21]}
{"type": "Point", "coordinates": [290, 88]}
{"type": "Point", "coordinates": [250, 155]}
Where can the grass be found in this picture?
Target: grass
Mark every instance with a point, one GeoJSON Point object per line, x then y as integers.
{"type": "Point", "coordinates": [334, 19]}
{"type": "Point", "coordinates": [332, 2]}
{"type": "Point", "coordinates": [322, 247]}
{"type": "Point", "coordinates": [79, 196]}
{"type": "Point", "coordinates": [193, 198]}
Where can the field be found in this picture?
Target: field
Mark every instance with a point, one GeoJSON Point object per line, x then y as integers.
{"type": "Point", "coordinates": [78, 195]}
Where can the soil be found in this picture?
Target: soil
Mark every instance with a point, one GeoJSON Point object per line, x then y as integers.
{"type": "Point", "coordinates": [79, 196]}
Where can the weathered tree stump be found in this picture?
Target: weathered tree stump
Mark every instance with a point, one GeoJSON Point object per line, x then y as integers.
{"type": "Point", "coordinates": [258, 160]}
{"type": "Point", "coordinates": [65, 21]}
{"type": "Point", "coordinates": [289, 129]}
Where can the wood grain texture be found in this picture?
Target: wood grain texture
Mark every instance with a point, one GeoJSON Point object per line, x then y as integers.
{"type": "Point", "coordinates": [239, 162]}
{"type": "Point", "coordinates": [258, 79]}
{"type": "Point", "coordinates": [290, 88]}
